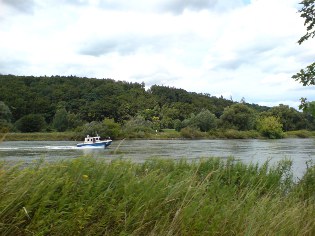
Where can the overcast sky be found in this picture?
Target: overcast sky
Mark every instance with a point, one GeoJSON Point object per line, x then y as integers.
{"type": "Point", "coordinates": [234, 48]}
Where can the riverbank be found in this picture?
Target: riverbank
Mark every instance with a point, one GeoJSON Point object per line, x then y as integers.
{"type": "Point", "coordinates": [165, 134]}
{"type": "Point", "coordinates": [87, 196]}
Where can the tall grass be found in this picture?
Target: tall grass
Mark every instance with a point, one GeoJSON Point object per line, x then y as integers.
{"type": "Point", "coordinates": [300, 134]}
{"type": "Point", "coordinates": [86, 196]}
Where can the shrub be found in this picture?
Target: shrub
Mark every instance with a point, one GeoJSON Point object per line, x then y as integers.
{"type": "Point", "coordinates": [191, 132]}
{"type": "Point", "coordinates": [106, 128]}
{"type": "Point", "coordinates": [270, 127]}
{"type": "Point", "coordinates": [31, 123]}
{"type": "Point", "coordinates": [136, 125]}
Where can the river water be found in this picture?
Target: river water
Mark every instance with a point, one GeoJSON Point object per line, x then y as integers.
{"type": "Point", "coordinates": [249, 150]}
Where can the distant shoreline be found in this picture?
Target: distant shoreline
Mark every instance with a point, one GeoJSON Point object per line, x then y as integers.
{"type": "Point", "coordinates": [73, 136]}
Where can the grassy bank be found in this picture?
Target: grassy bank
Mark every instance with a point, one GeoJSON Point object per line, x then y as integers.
{"type": "Point", "coordinates": [165, 134]}
{"type": "Point", "coordinates": [86, 196]}
{"type": "Point", "coordinates": [300, 134]}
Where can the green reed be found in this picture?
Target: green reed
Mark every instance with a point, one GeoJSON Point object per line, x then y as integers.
{"type": "Point", "coordinates": [87, 196]}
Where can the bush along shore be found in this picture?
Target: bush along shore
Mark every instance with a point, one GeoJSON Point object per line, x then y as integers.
{"type": "Point", "coordinates": [88, 196]}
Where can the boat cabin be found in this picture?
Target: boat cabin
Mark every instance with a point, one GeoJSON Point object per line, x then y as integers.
{"type": "Point", "coordinates": [89, 139]}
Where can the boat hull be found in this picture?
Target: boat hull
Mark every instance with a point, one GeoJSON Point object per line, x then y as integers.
{"type": "Point", "coordinates": [102, 144]}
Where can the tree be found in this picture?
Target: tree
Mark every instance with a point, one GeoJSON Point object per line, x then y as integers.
{"type": "Point", "coordinates": [5, 118]}
{"type": "Point", "coordinates": [106, 128]}
{"type": "Point", "coordinates": [60, 121]}
{"type": "Point", "coordinates": [205, 120]}
{"type": "Point", "coordinates": [288, 116]}
{"type": "Point", "coordinates": [93, 128]}
{"type": "Point", "coordinates": [270, 127]}
{"type": "Point", "coordinates": [308, 113]}
{"type": "Point", "coordinates": [113, 129]}
{"type": "Point", "coordinates": [31, 123]}
{"type": "Point", "coordinates": [74, 121]}
{"type": "Point", "coordinates": [156, 123]}
{"type": "Point", "coordinates": [178, 125]}
{"type": "Point", "coordinates": [307, 76]}
{"type": "Point", "coordinates": [238, 116]}
{"type": "Point", "coordinates": [138, 124]}
{"type": "Point", "coordinates": [308, 12]}
{"type": "Point", "coordinates": [5, 113]}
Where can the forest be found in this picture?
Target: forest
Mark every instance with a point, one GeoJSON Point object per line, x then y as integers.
{"type": "Point", "coordinates": [125, 109]}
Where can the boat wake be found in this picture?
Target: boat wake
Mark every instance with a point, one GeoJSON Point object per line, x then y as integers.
{"type": "Point", "coordinates": [61, 147]}
{"type": "Point", "coordinates": [39, 148]}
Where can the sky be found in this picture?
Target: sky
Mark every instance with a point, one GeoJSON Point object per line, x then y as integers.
{"type": "Point", "coordinates": [240, 49]}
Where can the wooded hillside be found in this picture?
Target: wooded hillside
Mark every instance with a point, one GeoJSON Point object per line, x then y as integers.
{"type": "Point", "coordinates": [93, 99]}
{"type": "Point", "coordinates": [81, 100]}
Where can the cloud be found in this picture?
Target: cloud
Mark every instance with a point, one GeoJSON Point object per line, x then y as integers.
{"type": "Point", "coordinates": [123, 45]}
{"type": "Point", "coordinates": [168, 6]}
{"type": "Point", "coordinates": [158, 6]}
{"type": "Point", "coordinates": [235, 48]}
{"type": "Point", "coordinates": [128, 44]}
{"type": "Point", "coordinates": [8, 65]}
{"type": "Point", "coordinates": [25, 6]}
{"type": "Point", "coordinates": [178, 6]}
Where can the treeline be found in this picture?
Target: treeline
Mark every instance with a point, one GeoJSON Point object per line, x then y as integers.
{"type": "Point", "coordinates": [116, 108]}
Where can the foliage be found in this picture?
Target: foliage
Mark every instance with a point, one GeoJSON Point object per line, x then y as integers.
{"type": "Point", "coordinates": [6, 126]}
{"type": "Point", "coordinates": [203, 121]}
{"type": "Point", "coordinates": [95, 99]}
{"type": "Point", "coordinates": [234, 134]}
{"type": "Point", "coordinates": [107, 128]}
{"type": "Point", "coordinates": [67, 103]}
{"type": "Point", "coordinates": [31, 123]}
{"type": "Point", "coordinates": [308, 115]}
{"type": "Point", "coordinates": [86, 196]}
{"type": "Point", "coordinates": [60, 121]}
{"type": "Point", "coordinates": [307, 76]}
{"type": "Point", "coordinates": [169, 113]}
{"type": "Point", "coordinates": [238, 116]}
{"type": "Point", "coordinates": [74, 121]}
{"type": "Point", "coordinates": [191, 132]}
{"type": "Point", "coordinates": [113, 128]}
{"type": "Point", "coordinates": [308, 13]}
{"type": "Point", "coordinates": [300, 134]}
{"type": "Point", "coordinates": [288, 117]}
{"type": "Point", "coordinates": [5, 113]}
{"type": "Point", "coordinates": [308, 107]}
{"type": "Point", "coordinates": [178, 125]}
{"type": "Point", "coordinates": [137, 125]}
{"type": "Point", "coordinates": [270, 127]}
{"type": "Point", "coordinates": [5, 118]}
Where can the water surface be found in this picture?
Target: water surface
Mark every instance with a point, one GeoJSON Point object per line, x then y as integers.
{"type": "Point", "coordinates": [249, 150]}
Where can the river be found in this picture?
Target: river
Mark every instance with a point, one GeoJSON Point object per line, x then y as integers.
{"type": "Point", "coordinates": [249, 150]}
